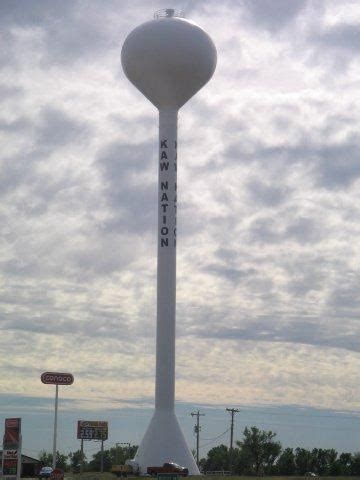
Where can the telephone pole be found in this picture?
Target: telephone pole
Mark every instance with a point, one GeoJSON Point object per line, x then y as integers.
{"type": "Point", "coordinates": [197, 431]}
{"type": "Point", "coordinates": [232, 412]}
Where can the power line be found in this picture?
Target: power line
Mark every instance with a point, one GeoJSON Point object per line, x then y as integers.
{"type": "Point", "coordinates": [218, 436]}
{"type": "Point", "coordinates": [212, 440]}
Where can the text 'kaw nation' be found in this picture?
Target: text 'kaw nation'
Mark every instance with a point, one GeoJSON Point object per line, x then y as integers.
{"type": "Point", "coordinates": [167, 192]}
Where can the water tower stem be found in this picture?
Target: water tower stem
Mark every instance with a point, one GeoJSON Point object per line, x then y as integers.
{"type": "Point", "coordinates": [166, 275]}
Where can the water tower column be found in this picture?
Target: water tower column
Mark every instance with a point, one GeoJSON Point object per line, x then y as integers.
{"type": "Point", "coordinates": [169, 59]}
{"type": "Point", "coordinates": [166, 274]}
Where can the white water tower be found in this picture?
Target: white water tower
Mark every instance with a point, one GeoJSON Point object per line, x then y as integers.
{"type": "Point", "coordinates": [168, 59]}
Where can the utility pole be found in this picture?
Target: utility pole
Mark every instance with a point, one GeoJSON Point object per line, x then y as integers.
{"type": "Point", "coordinates": [232, 412]}
{"type": "Point", "coordinates": [197, 431]}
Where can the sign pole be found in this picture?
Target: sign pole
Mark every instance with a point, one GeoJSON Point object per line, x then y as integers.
{"type": "Point", "coordinates": [19, 465]}
{"type": "Point", "coordinates": [102, 456]}
{"type": "Point", "coordinates": [56, 378]}
{"type": "Point", "coordinates": [55, 425]}
{"type": "Point", "coordinates": [82, 456]}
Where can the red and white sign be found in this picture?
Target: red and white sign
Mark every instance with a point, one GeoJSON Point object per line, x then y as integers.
{"type": "Point", "coordinates": [12, 423]}
{"type": "Point", "coordinates": [11, 454]}
{"type": "Point", "coordinates": [11, 459]}
{"type": "Point", "coordinates": [57, 474]}
{"type": "Point", "coordinates": [12, 433]}
{"type": "Point", "coordinates": [56, 378]}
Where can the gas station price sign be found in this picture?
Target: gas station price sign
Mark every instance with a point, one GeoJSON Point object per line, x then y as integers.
{"type": "Point", "coordinates": [10, 463]}
{"type": "Point", "coordinates": [92, 430]}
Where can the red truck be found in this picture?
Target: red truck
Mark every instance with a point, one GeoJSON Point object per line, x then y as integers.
{"type": "Point", "coordinates": [168, 467]}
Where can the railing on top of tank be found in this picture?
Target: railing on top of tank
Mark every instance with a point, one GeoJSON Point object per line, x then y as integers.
{"type": "Point", "coordinates": [168, 13]}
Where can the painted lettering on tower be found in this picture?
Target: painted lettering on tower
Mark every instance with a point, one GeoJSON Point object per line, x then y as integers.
{"type": "Point", "coordinates": [167, 193]}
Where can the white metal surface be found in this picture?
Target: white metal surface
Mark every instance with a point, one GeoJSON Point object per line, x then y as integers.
{"type": "Point", "coordinates": [164, 442]}
{"type": "Point", "coordinates": [168, 59]}
{"type": "Point", "coordinates": [166, 267]}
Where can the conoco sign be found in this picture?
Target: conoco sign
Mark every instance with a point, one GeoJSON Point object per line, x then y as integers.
{"type": "Point", "coordinates": [56, 378]}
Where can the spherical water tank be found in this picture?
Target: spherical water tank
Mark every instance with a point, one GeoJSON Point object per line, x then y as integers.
{"type": "Point", "coordinates": [168, 59]}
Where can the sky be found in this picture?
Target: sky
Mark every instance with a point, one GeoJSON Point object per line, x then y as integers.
{"type": "Point", "coordinates": [267, 232]}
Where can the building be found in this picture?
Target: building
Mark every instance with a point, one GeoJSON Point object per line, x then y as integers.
{"type": "Point", "coordinates": [30, 467]}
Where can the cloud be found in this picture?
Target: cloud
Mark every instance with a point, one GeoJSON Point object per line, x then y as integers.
{"type": "Point", "coordinates": [273, 15]}
{"type": "Point", "coordinates": [305, 330]}
{"type": "Point", "coordinates": [7, 91]}
{"type": "Point", "coordinates": [343, 37]}
{"type": "Point", "coordinates": [267, 208]}
{"type": "Point", "coordinates": [129, 187]}
{"type": "Point", "coordinates": [57, 129]}
{"type": "Point", "coordinates": [339, 166]}
{"type": "Point", "coordinates": [67, 31]}
{"type": "Point", "coordinates": [267, 195]}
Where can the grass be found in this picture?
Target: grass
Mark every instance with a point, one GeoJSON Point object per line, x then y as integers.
{"type": "Point", "coordinates": [111, 476]}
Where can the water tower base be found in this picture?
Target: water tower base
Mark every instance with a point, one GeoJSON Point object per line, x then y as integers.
{"type": "Point", "coordinates": [164, 442]}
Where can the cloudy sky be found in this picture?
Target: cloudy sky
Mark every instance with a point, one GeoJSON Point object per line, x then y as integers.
{"type": "Point", "coordinates": [268, 217]}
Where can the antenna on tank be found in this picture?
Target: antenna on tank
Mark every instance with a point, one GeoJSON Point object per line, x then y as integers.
{"type": "Point", "coordinates": [168, 13]}
{"type": "Point", "coordinates": [168, 59]}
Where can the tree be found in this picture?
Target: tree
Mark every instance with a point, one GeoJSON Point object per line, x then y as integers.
{"type": "Point", "coordinates": [322, 459]}
{"type": "Point", "coordinates": [217, 459]}
{"type": "Point", "coordinates": [120, 454]}
{"type": "Point", "coordinates": [332, 464]}
{"type": "Point", "coordinates": [46, 459]}
{"type": "Point", "coordinates": [260, 448]}
{"type": "Point", "coordinates": [76, 459]}
{"type": "Point", "coordinates": [241, 462]}
{"type": "Point", "coordinates": [286, 462]}
{"type": "Point", "coordinates": [355, 464]}
{"type": "Point", "coordinates": [303, 461]}
{"type": "Point", "coordinates": [114, 456]}
{"type": "Point", "coordinates": [95, 463]}
{"type": "Point", "coordinates": [344, 462]}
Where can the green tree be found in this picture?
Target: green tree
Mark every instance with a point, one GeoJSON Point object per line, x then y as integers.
{"type": "Point", "coordinates": [332, 464]}
{"type": "Point", "coordinates": [76, 459]}
{"type": "Point", "coordinates": [355, 464]}
{"type": "Point", "coordinates": [95, 463]}
{"type": "Point", "coordinates": [319, 460]}
{"type": "Point", "coordinates": [344, 462]}
{"type": "Point", "coordinates": [120, 454]}
{"type": "Point", "coordinates": [46, 459]}
{"type": "Point", "coordinates": [217, 459]}
{"type": "Point", "coordinates": [286, 462]}
{"type": "Point", "coordinates": [241, 462]}
{"type": "Point", "coordinates": [114, 456]}
{"type": "Point", "coordinates": [202, 465]}
{"type": "Point", "coordinates": [323, 461]}
{"type": "Point", "coordinates": [260, 448]}
{"type": "Point", "coordinates": [303, 461]}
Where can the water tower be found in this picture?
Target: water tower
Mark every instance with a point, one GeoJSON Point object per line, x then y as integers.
{"type": "Point", "coordinates": [168, 59]}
